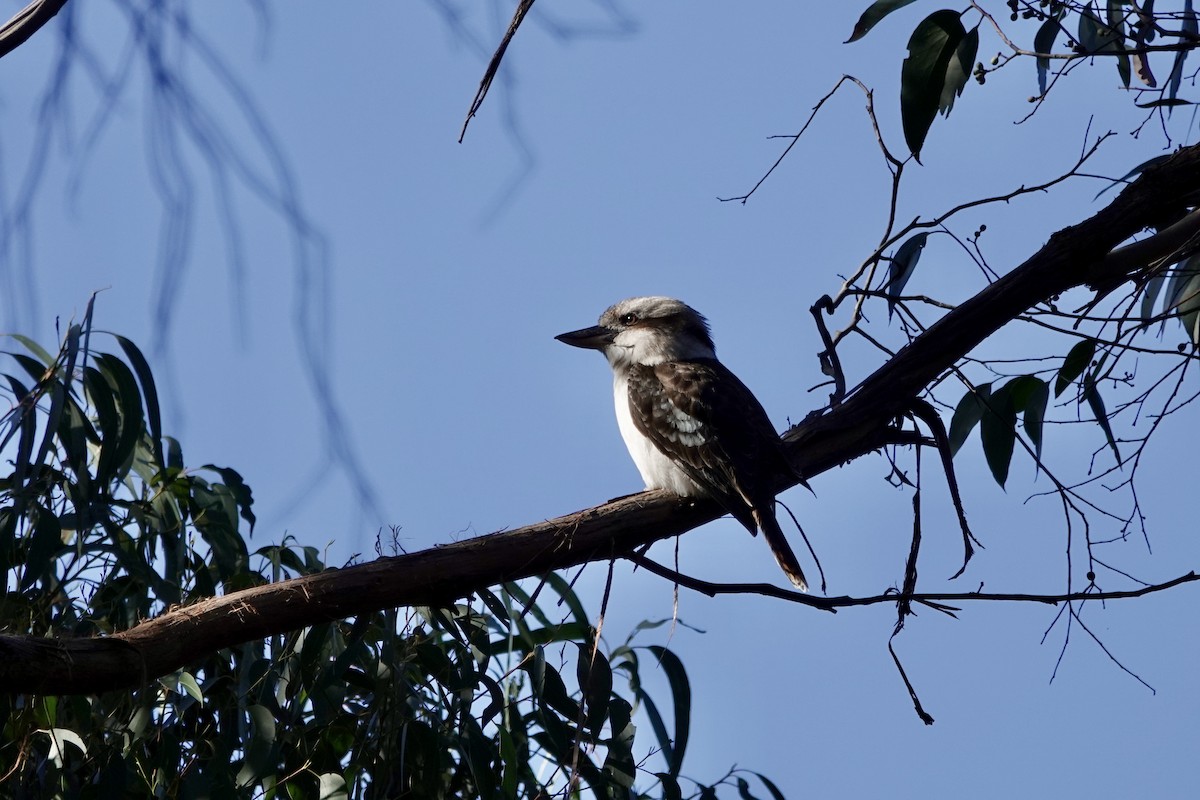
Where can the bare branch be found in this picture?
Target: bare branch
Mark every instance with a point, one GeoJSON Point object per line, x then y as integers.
{"type": "Point", "coordinates": [494, 65]}
{"type": "Point", "coordinates": [26, 22]}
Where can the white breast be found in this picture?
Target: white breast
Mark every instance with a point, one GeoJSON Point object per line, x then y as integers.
{"type": "Point", "coordinates": [658, 471]}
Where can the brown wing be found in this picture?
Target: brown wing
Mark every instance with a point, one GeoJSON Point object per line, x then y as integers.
{"type": "Point", "coordinates": [708, 422]}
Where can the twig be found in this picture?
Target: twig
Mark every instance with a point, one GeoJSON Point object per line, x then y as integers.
{"type": "Point", "coordinates": [832, 604]}
{"type": "Point", "coordinates": [494, 65]}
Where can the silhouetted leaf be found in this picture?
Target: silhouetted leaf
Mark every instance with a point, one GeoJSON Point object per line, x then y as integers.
{"type": "Point", "coordinates": [681, 694]}
{"type": "Point", "coordinates": [1189, 28]}
{"type": "Point", "coordinates": [997, 431]}
{"type": "Point", "coordinates": [933, 43]}
{"type": "Point", "coordinates": [149, 392]}
{"type": "Point", "coordinates": [595, 682]}
{"type": "Point", "coordinates": [1139, 169]}
{"type": "Point", "coordinates": [771, 787]}
{"type": "Point", "coordinates": [1096, 403]}
{"type": "Point", "coordinates": [904, 262]}
{"type": "Point", "coordinates": [967, 415]}
{"type": "Point", "coordinates": [45, 541]}
{"type": "Point", "coordinates": [1164, 104]}
{"type": "Point", "coordinates": [958, 70]}
{"type": "Point", "coordinates": [1116, 25]}
{"type": "Point", "coordinates": [1077, 360]}
{"type": "Point", "coordinates": [233, 481]}
{"type": "Point", "coordinates": [1149, 295]}
{"type": "Point", "coordinates": [1035, 415]}
{"type": "Point", "coordinates": [1187, 305]}
{"type": "Point", "coordinates": [871, 17]}
{"type": "Point", "coordinates": [620, 766]}
{"type": "Point", "coordinates": [670, 786]}
{"type": "Point", "coordinates": [129, 404]}
{"type": "Point", "coordinates": [1043, 42]}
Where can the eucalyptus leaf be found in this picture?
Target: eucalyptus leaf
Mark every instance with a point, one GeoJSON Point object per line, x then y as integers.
{"type": "Point", "coordinates": [1190, 28]}
{"type": "Point", "coordinates": [904, 263]}
{"type": "Point", "coordinates": [1077, 360]}
{"type": "Point", "coordinates": [967, 415]}
{"type": "Point", "coordinates": [871, 17]}
{"type": "Point", "coordinates": [998, 433]}
{"type": "Point", "coordinates": [681, 694]}
{"type": "Point", "coordinates": [932, 44]}
{"type": "Point", "coordinates": [1043, 43]}
{"type": "Point", "coordinates": [1092, 395]}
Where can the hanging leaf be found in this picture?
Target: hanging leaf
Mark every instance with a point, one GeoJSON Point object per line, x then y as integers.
{"type": "Point", "coordinates": [1034, 415]}
{"type": "Point", "coordinates": [770, 785]}
{"type": "Point", "coordinates": [1092, 395]}
{"type": "Point", "coordinates": [904, 262]}
{"type": "Point", "coordinates": [149, 392]}
{"type": "Point", "coordinates": [681, 693]}
{"type": "Point", "coordinates": [967, 415]}
{"type": "Point", "coordinates": [1149, 295]}
{"type": "Point", "coordinates": [998, 432]}
{"type": "Point", "coordinates": [871, 17]}
{"type": "Point", "coordinates": [1190, 28]}
{"type": "Point", "coordinates": [1116, 25]}
{"type": "Point", "coordinates": [1043, 42]}
{"type": "Point", "coordinates": [595, 684]}
{"type": "Point", "coordinates": [1187, 304]}
{"type": "Point", "coordinates": [923, 74]}
{"type": "Point", "coordinates": [959, 70]}
{"type": "Point", "coordinates": [1077, 360]}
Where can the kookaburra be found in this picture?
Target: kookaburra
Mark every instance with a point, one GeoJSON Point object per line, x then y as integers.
{"type": "Point", "coordinates": [691, 426]}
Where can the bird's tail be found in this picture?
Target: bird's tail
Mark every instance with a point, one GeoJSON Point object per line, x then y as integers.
{"type": "Point", "coordinates": [780, 548]}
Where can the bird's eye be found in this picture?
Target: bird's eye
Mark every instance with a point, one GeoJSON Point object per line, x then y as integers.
{"type": "Point", "coordinates": [629, 318]}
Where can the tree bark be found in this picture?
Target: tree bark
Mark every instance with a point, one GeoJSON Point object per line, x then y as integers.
{"type": "Point", "coordinates": [1082, 255]}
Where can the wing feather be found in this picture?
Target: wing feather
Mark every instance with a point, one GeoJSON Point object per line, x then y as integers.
{"type": "Point", "coordinates": [701, 416]}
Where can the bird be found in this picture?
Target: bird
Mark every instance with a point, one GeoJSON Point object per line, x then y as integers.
{"type": "Point", "coordinates": [690, 425]}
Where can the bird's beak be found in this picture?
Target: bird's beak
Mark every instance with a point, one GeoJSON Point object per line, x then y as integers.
{"type": "Point", "coordinates": [596, 337]}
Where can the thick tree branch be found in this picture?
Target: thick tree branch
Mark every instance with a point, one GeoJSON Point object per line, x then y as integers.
{"type": "Point", "coordinates": [1076, 256]}
{"type": "Point", "coordinates": [26, 22]}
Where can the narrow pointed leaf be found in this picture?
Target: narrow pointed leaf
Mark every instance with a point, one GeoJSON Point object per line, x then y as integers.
{"type": "Point", "coordinates": [1188, 306]}
{"type": "Point", "coordinates": [681, 694]}
{"type": "Point", "coordinates": [1022, 389]}
{"type": "Point", "coordinates": [997, 431]}
{"type": "Point", "coordinates": [1043, 42]}
{"type": "Point", "coordinates": [595, 684]}
{"type": "Point", "coordinates": [149, 392]}
{"type": "Point", "coordinates": [770, 786]}
{"type": "Point", "coordinates": [1035, 416]}
{"type": "Point", "coordinates": [967, 415]}
{"type": "Point", "coordinates": [34, 348]}
{"type": "Point", "coordinates": [1133, 173]}
{"type": "Point", "coordinates": [871, 17]}
{"type": "Point", "coordinates": [1074, 364]}
{"type": "Point", "coordinates": [1149, 295]}
{"type": "Point", "coordinates": [923, 74]}
{"type": "Point", "coordinates": [904, 263]}
{"type": "Point", "coordinates": [1096, 403]}
{"type": "Point", "coordinates": [958, 71]}
{"type": "Point", "coordinates": [1189, 27]}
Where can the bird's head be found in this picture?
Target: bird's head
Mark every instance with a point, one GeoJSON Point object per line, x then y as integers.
{"type": "Point", "coordinates": [646, 330]}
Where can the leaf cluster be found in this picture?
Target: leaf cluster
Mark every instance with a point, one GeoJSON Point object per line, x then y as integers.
{"type": "Point", "coordinates": [102, 525]}
{"type": "Point", "coordinates": [942, 50]}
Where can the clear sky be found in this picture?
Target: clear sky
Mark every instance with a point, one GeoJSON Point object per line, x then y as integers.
{"type": "Point", "coordinates": [591, 174]}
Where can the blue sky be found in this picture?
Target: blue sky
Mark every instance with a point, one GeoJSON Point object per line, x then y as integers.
{"type": "Point", "coordinates": [591, 174]}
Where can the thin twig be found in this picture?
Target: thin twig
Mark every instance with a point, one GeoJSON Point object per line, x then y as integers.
{"type": "Point", "coordinates": [494, 65]}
